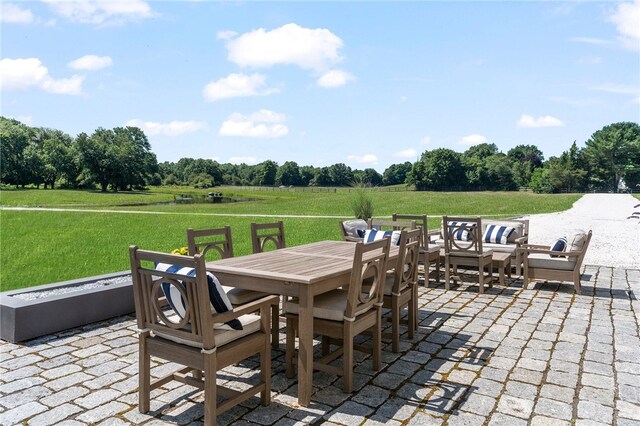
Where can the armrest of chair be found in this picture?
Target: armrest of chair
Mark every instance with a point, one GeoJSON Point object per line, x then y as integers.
{"type": "Point", "coordinates": [247, 308]}
{"type": "Point", "coordinates": [532, 248]}
{"type": "Point", "coordinates": [432, 234]}
{"type": "Point", "coordinates": [522, 240]}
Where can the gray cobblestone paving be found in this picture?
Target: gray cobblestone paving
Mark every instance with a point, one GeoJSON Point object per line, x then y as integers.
{"type": "Point", "coordinates": [542, 356]}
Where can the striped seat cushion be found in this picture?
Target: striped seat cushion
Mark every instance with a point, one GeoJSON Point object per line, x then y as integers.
{"type": "Point", "coordinates": [497, 234]}
{"type": "Point", "coordinates": [217, 297]}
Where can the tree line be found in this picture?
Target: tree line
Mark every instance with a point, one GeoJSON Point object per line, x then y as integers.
{"type": "Point", "coordinates": [121, 159]}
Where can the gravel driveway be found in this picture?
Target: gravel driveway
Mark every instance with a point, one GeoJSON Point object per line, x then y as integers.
{"type": "Point", "coordinates": [615, 240]}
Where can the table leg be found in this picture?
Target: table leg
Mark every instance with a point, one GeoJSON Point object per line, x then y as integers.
{"type": "Point", "coordinates": [305, 346]}
{"type": "Point", "coordinates": [501, 267]}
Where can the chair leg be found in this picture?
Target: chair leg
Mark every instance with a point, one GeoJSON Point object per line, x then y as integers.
{"type": "Point", "coordinates": [447, 276]}
{"type": "Point", "coordinates": [210, 394]}
{"type": "Point", "coordinates": [411, 308]}
{"type": "Point", "coordinates": [326, 345]}
{"type": "Point", "coordinates": [275, 325]}
{"type": "Point", "coordinates": [376, 356]}
{"type": "Point", "coordinates": [347, 361]}
{"type": "Point", "coordinates": [395, 324]}
{"type": "Point", "coordinates": [144, 373]}
{"type": "Point", "coordinates": [437, 262]}
{"type": "Point", "coordinates": [291, 342]}
{"type": "Point", "coordinates": [265, 373]}
{"type": "Point", "coordinates": [525, 275]}
{"type": "Point", "coordinates": [576, 281]}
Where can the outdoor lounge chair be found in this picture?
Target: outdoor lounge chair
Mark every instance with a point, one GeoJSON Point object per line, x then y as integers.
{"type": "Point", "coordinates": [430, 254]}
{"type": "Point", "coordinates": [543, 263]}
{"type": "Point", "coordinates": [217, 244]}
{"type": "Point", "coordinates": [342, 314]}
{"type": "Point", "coordinates": [349, 229]}
{"type": "Point", "coordinates": [193, 334]}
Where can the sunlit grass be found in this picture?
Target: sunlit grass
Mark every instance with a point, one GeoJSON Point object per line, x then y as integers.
{"type": "Point", "coordinates": [39, 247]}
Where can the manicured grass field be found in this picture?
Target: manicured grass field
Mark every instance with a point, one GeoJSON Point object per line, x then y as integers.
{"type": "Point", "coordinates": [39, 247]}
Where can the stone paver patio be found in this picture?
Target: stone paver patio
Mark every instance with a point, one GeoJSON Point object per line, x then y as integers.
{"type": "Point", "coordinates": [542, 356]}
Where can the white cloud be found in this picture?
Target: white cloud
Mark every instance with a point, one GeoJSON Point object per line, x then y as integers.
{"type": "Point", "coordinates": [237, 85]}
{"type": "Point", "coordinates": [473, 140]}
{"type": "Point", "coordinates": [364, 159]}
{"type": "Point", "coordinates": [91, 62]}
{"type": "Point", "coordinates": [542, 121]}
{"type": "Point", "coordinates": [292, 44]}
{"type": "Point", "coordinates": [406, 153]}
{"type": "Point", "coordinates": [20, 74]}
{"type": "Point", "coordinates": [626, 18]}
{"type": "Point", "coordinates": [246, 160]}
{"type": "Point", "coordinates": [260, 124]}
{"type": "Point", "coordinates": [335, 78]}
{"type": "Point", "coordinates": [98, 12]}
{"type": "Point", "coordinates": [226, 35]}
{"type": "Point", "coordinates": [589, 40]}
{"type": "Point", "coordinates": [11, 13]}
{"type": "Point", "coordinates": [172, 128]}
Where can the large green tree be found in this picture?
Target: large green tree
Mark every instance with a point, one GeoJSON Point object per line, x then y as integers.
{"type": "Point", "coordinates": [437, 170]}
{"type": "Point", "coordinates": [613, 154]}
{"type": "Point", "coordinates": [288, 174]}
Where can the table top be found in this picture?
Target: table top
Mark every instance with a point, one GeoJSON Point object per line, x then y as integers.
{"type": "Point", "coordinates": [304, 264]}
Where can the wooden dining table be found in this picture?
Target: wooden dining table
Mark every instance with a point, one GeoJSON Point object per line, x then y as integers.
{"type": "Point", "coordinates": [303, 272]}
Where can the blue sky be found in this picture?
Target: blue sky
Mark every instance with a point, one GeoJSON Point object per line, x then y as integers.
{"type": "Point", "coordinates": [367, 84]}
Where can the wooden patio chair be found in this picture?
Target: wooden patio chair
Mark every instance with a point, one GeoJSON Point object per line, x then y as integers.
{"type": "Point", "coordinates": [542, 263]}
{"type": "Point", "coordinates": [342, 314]}
{"type": "Point", "coordinates": [264, 235]}
{"type": "Point", "coordinates": [217, 244]}
{"type": "Point", "coordinates": [193, 335]}
{"type": "Point", "coordinates": [430, 254]}
{"type": "Point", "coordinates": [401, 289]}
{"type": "Point", "coordinates": [463, 246]}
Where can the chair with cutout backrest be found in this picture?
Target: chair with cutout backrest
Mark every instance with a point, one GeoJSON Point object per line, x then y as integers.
{"type": "Point", "coordinates": [463, 246]}
{"type": "Point", "coordinates": [344, 313]}
{"type": "Point", "coordinates": [267, 236]}
{"type": "Point", "coordinates": [401, 288]}
{"type": "Point", "coordinates": [430, 254]}
{"type": "Point", "coordinates": [195, 334]}
{"type": "Point", "coordinates": [216, 243]}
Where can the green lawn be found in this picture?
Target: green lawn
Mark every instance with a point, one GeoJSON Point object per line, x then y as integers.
{"type": "Point", "coordinates": [39, 247]}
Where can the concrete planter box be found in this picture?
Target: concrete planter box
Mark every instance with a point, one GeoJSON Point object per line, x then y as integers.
{"type": "Point", "coordinates": [64, 305]}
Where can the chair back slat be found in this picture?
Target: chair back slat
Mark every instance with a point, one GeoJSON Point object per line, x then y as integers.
{"type": "Point", "coordinates": [406, 271]}
{"type": "Point", "coordinates": [153, 312]}
{"type": "Point", "coordinates": [211, 243]}
{"type": "Point", "coordinates": [264, 235]}
{"type": "Point", "coordinates": [369, 261]}
{"type": "Point", "coordinates": [394, 225]}
{"type": "Point", "coordinates": [469, 226]}
{"type": "Point", "coordinates": [422, 223]}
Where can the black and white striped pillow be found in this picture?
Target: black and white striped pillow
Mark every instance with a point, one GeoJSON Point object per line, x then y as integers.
{"type": "Point", "coordinates": [217, 297]}
{"type": "Point", "coordinates": [461, 233]}
{"type": "Point", "coordinates": [559, 245]}
{"type": "Point", "coordinates": [497, 234]}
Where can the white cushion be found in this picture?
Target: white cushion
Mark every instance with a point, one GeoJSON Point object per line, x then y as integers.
{"type": "Point", "coordinates": [240, 296]}
{"type": "Point", "coordinates": [485, 253]}
{"type": "Point", "coordinates": [577, 241]}
{"type": "Point", "coordinates": [540, 260]}
{"type": "Point", "coordinates": [351, 227]}
{"type": "Point", "coordinates": [330, 305]}
{"type": "Point", "coordinates": [250, 324]}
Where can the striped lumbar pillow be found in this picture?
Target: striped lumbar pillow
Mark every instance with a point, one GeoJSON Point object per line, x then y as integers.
{"type": "Point", "coordinates": [559, 245]}
{"type": "Point", "coordinates": [497, 234]}
{"type": "Point", "coordinates": [461, 233]}
{"type": "Point", "coordinates": [218, 298]}
{"type": "Point", "coordinates": [371, 235]}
